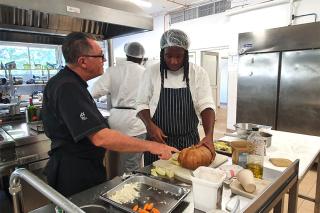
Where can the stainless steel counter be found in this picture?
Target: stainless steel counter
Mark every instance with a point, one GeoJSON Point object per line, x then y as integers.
{"type": "Point", "coordinates": [6, 140]}
{"type": "Point", "coordinates": [21, 145]}
{"type": "Point", "coordinates": [28, 149]}
{"type": "Point", "coordinates": [91, 196]}
{"type": "Point", "coordinates": [23, 133]}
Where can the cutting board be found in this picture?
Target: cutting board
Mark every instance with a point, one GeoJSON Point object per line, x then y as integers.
{"type": "Point", "coordinates": [183, 174]}
{"type": "Point", "coordinates": [261, 185]}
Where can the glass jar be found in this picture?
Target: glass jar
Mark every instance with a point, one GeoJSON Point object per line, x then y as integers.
{"type": "Point", "coordinates": [256, 153]}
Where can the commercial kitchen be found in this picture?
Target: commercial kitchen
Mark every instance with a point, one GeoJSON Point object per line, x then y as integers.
{"type": "Point", "coordinates": [263, 63]}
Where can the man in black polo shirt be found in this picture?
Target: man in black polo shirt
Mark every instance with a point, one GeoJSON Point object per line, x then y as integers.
{"type": "Point", "coordinates": [76, 128]}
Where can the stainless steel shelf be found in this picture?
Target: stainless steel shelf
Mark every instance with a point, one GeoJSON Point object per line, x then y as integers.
{"type": "Point", "coordinates": [21, 85]}
{"type": "Point", "coordinates": [31, 69]}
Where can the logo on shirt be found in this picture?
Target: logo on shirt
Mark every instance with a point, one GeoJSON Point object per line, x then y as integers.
{"type": "Point", "coordinates": [83, 116]}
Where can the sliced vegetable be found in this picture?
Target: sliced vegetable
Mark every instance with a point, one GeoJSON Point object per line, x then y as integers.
{"type": "Point", "coordinates": [149, 206]}
{"type": "Point", "coordinates": [169, 173]}
{"type": "Point", "coordinates": [175, 156]}
{"type": "Point", "coordinates": [154, 210]}
{"type": "Point", "coordinates": [145, 206]}
{"type": "Point", "coordinates": [154, 172]}
{"type": "Point", "coordinates": [135, 208]}
{"type": "Point", "coordinates": [160, 171]}
{"type": "Point", "coordinates": [175, 162]}
{"type": "Point", "coordinates": [142, 211]}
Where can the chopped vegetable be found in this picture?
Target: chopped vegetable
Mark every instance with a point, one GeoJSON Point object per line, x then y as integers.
{"type": "Point", "coordinates": [147, 208]}
{"type": "Point", "coordinates": [135, 208]}
{"type": "Point", "coordinates": [169, 173]}
{"type": "Point", "coordinates": [160, 171]}
{"type": "Point", "coordinates": [154, 172]}
{"type": "Point", "coordinates": [142, 211]}
{"type": "Point", "coordinates": [154, 210]}
{"type": "Point", "coordinates": [175, 156]}
{"type": "Point", "coordinates": [174, 162]}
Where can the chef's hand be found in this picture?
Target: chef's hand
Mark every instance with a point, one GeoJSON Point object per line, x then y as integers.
{"type": "Point", "coordinates": [208, 142]}
{"type": "Point", "coordinates": [156, 133]}
{"type": "Point", "coordinates": [162, 150]}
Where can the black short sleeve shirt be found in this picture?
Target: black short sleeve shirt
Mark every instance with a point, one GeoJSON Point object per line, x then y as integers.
{"type": "Point", "coordinates": [70, 114]}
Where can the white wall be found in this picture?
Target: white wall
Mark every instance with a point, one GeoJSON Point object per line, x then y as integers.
{"type": "Point", "coordinates": [220, 32]}
{"type": "Point", "coordinates": [207, 32]}
{"type": "Point", "coordinates": [150, 40]}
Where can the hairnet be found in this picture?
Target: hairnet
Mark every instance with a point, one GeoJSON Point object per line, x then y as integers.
{"type": "Point", "coordinates": [174, 38]}
{"type": "Point", "coordinates": [134, 49]}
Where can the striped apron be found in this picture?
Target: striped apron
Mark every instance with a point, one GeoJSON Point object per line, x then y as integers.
{"type": "Point", "coordinates": [176, 116]}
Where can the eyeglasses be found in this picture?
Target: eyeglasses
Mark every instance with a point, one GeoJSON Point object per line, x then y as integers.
{"type": "Point", "coordinates": [95, 56]}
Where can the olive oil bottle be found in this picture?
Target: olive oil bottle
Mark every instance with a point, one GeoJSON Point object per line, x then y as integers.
{"type": "Point", "coordinates": [256, 153]}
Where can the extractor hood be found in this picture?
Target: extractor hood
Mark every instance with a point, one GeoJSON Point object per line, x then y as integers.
{"type": "Point", "coordinates": [48, 21]}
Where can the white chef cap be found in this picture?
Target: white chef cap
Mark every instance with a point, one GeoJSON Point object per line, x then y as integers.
{"type": "Point", "coordinates": [174, 38]}
{"type": "Point", "coordinates": [134, 49]}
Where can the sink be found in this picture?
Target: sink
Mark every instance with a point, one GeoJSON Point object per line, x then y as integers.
{"type": "Point", "coordinates": [17, 133]}
{"type": "Point", "coordinates": [94, 209]}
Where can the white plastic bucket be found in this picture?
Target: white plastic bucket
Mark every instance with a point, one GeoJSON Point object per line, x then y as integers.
{"type": "Point", "coordinates": [207, 188]}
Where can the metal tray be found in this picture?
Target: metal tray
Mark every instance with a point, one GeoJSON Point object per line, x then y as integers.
{"type": "Point", "coordinates": [164, 196]}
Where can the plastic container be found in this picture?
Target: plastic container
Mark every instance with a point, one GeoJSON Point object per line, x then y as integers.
{"type": "Point", "coordinates": [207, 188]}
{"type": "Point", "coordinates": [240, 150]}
{"type": "Point", "coordinates": [267, 137]}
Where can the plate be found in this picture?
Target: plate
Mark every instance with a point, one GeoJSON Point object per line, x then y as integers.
{"type": "Point", "coordinates": [261, 185]}
{"type": "Point", "coordinates": [223, 147]}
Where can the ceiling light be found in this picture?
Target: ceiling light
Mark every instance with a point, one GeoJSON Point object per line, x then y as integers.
{"type": "Point", "coordinates": [142, 3]}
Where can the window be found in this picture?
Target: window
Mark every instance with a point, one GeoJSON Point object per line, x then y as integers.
{"type": "Point", "coordinates": [190, 14]}
{"type": "Point", "coordinates": [40, 58]}
{"type": "Point", "coordinates": [214, 7]}
{"type": "Point", "coordinates": [31, 59]}
{"type": "Point", "coordinates": [34, 62]}
{"type": "Point", "coordinates": [206, 10]}
{"type": "Point", "coordinates": [13, 53]}
{"type": "Point", "coordinates": [176, 17]}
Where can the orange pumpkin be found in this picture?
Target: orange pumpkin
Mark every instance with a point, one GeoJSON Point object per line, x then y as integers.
{"type": "Point", "coordinates": [195, 156]}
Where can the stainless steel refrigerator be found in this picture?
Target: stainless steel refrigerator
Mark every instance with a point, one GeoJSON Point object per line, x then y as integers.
{"type": "Point", "coordinates": [279, 79]}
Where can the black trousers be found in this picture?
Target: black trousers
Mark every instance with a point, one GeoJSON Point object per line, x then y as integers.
{"type": "Point", "coordinates": [70, 174]}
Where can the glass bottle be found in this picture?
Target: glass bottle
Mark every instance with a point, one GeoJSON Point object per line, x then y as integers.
{"type": "Point", "coordinates": [32, 111]}
{"type": "Point", "coordinates": [256, 153]}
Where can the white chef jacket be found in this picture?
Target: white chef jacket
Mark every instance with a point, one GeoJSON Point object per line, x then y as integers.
{"type": "Point", "coordinates": [121, 82]}
{"type": "Point", "coordinates": [150, 87]}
